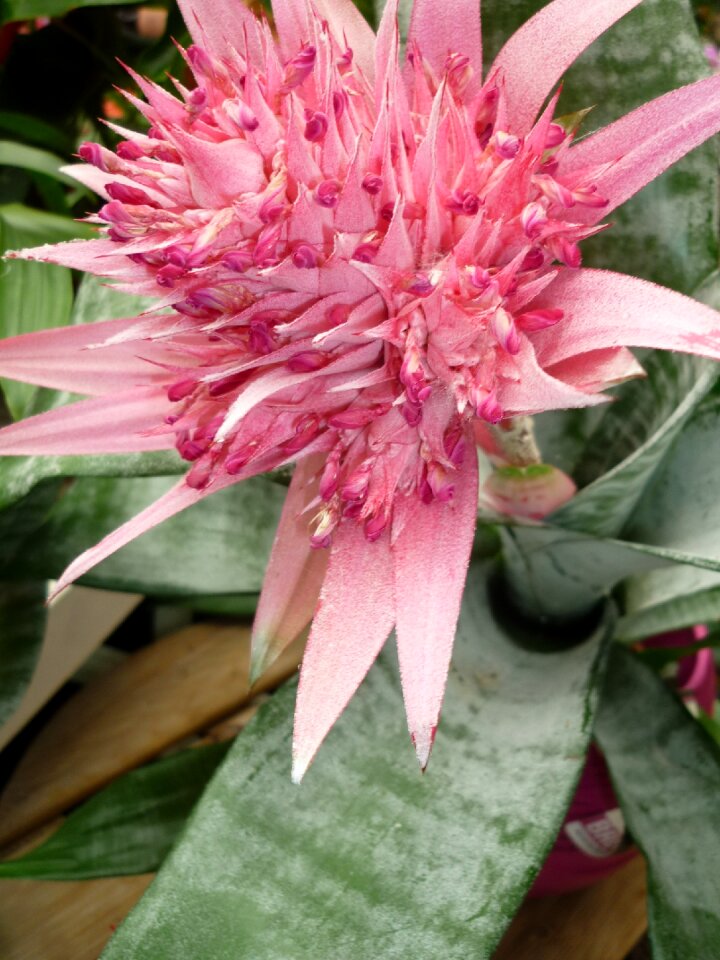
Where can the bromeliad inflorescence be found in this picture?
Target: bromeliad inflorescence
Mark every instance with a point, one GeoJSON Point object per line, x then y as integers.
{"type": "Point", "coordinates": [359, 265]}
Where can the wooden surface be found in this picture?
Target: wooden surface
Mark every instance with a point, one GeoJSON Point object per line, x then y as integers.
{"type": "Point", "coordinates": [178, 685]}
{"type": "Point", "coordinates": [603, 922]}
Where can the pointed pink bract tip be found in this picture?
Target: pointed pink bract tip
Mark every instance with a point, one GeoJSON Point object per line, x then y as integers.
{"type": "Point", "coordinates": [423, 741]}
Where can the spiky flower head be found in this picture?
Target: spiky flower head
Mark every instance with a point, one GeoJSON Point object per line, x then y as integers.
{"type": "Point", "coordinates": [358, 265]}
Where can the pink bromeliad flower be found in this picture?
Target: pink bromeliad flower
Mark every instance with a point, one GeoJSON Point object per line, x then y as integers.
{"type": "Point", "coordinates": [359, 264]}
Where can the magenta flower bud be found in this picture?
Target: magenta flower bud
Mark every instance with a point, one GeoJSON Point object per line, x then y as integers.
{"type": "Point", "coordinates": [199, 474]}
{"type": "Point", "coordinates": [372, 184]}
{"type": "Point", "coordinates": [534, 259]}
{"type": "Point", "coordinates": [555, 135]}
{"type": "Point", "coordinates": [181, 389]}
{"type": "Point", "coordinates": [506, 145]}
{"type": "Point", "coordinates": [419, 284]}
{"type": "Point", "coordinates": [177, 255]}
{"type": "Point", "coordinates": [299, 68]}
{"type": "Point", "coordinates": [505, 331]}
{"type": "Point", "coordinates": [218, 388]}
{"type": "Point", "coordinates": [327, 520]}
{"type": "Point", "coordinates": [166, 153]}
{"type": "Point", "coordinates": [344, 62]}
{"type": "Point", "coordinates": [271, 209]}
{"type": "Point", "coordinates": [237, 460]}
{"type": "Point", "coordinates": [260, 339]}
{"type": "Point", "coordinates": [192, 449]}
{"type": "Point", "coordinates": [265, 252]}
{"type": "Point", "coordinates": [127, 194]}
{"type": "Point", "coordinates": [306, 361]}
{"type": "Point", "coordinates": [356, 485]}
{"type": "Point", "coordinates": [327, 193]}
{"type": "Point", "coordinates": [459, 72]}
{"type": "Point", "coordinates": [489, 408]}
{"type": "Point", "coordinates": [241, 114]}
{"type": "Point", "coordinates": [555, 191]}
{"type": "Point", "coordinates": [237, 260]}
{"type": "Point", "coordinates": [92, 153]}
{"type": "Point", "coordinates": [200, 61]}
{"type": "Point", "coordinates": [330, 476]}
{"type": "Point", "coordinates": [169, 274]}
{"type": "Point", "coordinates": [366, 252]}
{"type": "Point", "coordinates": [412, 413]}
{"type": "Point", "coordinates": [128, 150]}
{"type": "Point", "coordinates": [115, 212]}
{"type": "Point", "coordinates": [538, 319]}
{"type": "Point", "coordinates": [304, 256]}
{"type": "Point", "coordinates": [306, 430]}
{"type": "Point", "coordinates": [533, 219]}
{"type": "Point", "coordinates": [375, 526]}
{"type": "Point", "coordinates": [565, 251]}
{"type": "Point", "coordinates": [339, 101]}
{"type": "Point", "coordinates": [316, 125]}
{"type": "Point", "coordinates": [589, 197]}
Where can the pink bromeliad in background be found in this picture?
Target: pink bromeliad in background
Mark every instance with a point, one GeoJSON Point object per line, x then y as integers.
{"type": "Point", "coordinates": [359, 264]}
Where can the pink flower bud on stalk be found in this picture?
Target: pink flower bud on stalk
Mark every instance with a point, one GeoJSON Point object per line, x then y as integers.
{"type": "Point", "coordinates": [393, 341]}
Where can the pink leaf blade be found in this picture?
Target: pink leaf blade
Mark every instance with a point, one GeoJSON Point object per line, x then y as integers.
{"type": "Point", "coordinates": [74, 359]}
{"type": "Point", "coordinates": [115, 423]}
{"type": "Point", "coordinates": [644, 143]}
{"type": "Point", "coordinates": [455, 30]}
{"type": "Point", "coordinates": [294, 575]}
{"type": "Point", "coordinates": [431, 554]}
{"type": "Point", "coordinates": [537, 55]}
{"type": "Point", "coordinates": [354, 616]}
{"type": "Point", "coordinates": [606, 309]}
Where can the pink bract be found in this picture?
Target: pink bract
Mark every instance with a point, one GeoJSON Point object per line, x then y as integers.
{"type": "Point", "coordinates": [358, 263]}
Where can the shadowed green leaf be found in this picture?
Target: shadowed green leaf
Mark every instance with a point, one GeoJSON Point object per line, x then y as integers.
{"type": "Point", "coordinates": [367, 858]}
{"type": "Point", "coordinates": [666, 771]}
{"type": "Point", "coordinates": [220, 545]}
{"type": "Point", "coordinates": [129, 826]}
{"type": "Point", "coordinates": [11, 10]}
{"type": "Point", "coordinates": [22, 624]}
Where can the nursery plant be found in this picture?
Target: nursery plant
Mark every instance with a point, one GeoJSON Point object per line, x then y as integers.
{"type": "Point", "coordinates": [369, 289]}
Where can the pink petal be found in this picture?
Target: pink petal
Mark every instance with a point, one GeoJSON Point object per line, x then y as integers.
{"type": "Point", "coordinates": [430, 558]}
{"type": "Point", "coordinates": [597, 369]}
{"type": "Point", "coordinates": [538, 54]}
{"type": "Point", "coordinates": [295, 21]}
{"type": "Point", "coordinates": [91, 256]}
{"type": "Point", "coordinates": [536, 391]}
{"type": "Point", "coordinates": [221, 26]}
{"type": "Point", "coordinates": [606, 309]}
{"type": "Point", "coordinates": [354, 616]}
{"type": "Point", "coordinates": [644, 143]}
{"type": "Point", "coordinates": [111, 424]}
{"type": "Point", "coordinates": [69, 358]}
{"type": "Point", "coordinates": [454, 29]}
{"type": "Point", "coordinates": [178, 498]}
{"type": "Point", "coordinates": [219, 172]}
{"type": "Point", "coordinates": [294, 575]}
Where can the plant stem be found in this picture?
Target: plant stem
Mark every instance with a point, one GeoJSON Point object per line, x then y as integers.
{"type": "Point", "coordinates": [516, 438]}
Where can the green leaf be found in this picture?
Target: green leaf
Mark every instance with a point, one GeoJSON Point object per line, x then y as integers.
{"type": "Point", "coordinates": [22, 625]}
{"type": "Point", "coordinates": [33, 296]}
{"type": "Point", "coordinates": [219, 546]}
{"type": "Point", "coordinates": [666, 771]}
{"type": "Point", "coordinates": [13, 154]}
{"type": "Point", "coordinates": [128, 827]}
{"type": "Point", "coordinates": [27, 128]}
{"type": "Point", "coordinates": [667, 233]}
{"type": "Point", "coordinates": [669, 599]}
{"type": "Point", "coordinates": [368, 858]}
{"type": "Point", "coordinates": [631, 441]}
{"type": "Point", "coordinates": [11, 10]}
{"type": "Point", "coordinates": [680, 509]}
